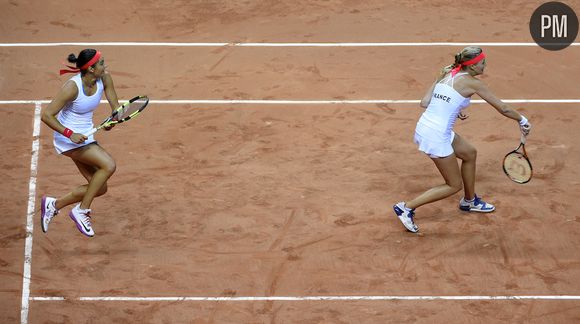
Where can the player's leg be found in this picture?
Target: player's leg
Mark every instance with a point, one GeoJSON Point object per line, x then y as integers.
{"type": "Point", "coordinates": [103, 166]}
{"type": "Point", "coordinates": [50, 206]}
{"type": "Point", "coordinates": [468, 155]}
{"type": "Point", "coordinates": [449, 169]}
{"type": "Point", "coordinates": [79, 192]}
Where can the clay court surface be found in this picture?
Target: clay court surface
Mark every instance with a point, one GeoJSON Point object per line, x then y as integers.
{"type": "Point", "coordinates": [287, 199]}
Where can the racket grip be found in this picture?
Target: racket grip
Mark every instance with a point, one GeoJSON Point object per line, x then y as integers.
{"type": "Point", "coordinates": [91, 132]}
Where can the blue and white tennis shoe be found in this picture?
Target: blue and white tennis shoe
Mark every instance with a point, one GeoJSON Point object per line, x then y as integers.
{"type": "Point", "coordinates": [406, 216]}
{"type": "Point", "coordinates": [475, 205]}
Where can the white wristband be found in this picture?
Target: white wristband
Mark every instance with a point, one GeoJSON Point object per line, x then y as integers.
{"type": "Point", "coordinates": [523, 121]}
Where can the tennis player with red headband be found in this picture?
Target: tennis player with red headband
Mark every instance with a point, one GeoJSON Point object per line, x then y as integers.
{"type": "Point", "coordinates": [70, 114]}
{"type": "Point", "coordinates": [449, 94]}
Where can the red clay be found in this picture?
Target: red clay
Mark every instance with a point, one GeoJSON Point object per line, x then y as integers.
{"type": "Point", "coordinates": [290, 200]}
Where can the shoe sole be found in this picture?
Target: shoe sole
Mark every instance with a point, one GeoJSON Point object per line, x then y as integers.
{"type": "Point", "coordinates": [403, 221]}
{"type": "Point", "coordinates": [467, 209]}
{"type": "Point", "coordinates": [42, 213]}
{"type": "Point", "coordinates": [79, 227]}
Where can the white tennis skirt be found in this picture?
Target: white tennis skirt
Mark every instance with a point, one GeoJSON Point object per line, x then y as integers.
{"type": "Point", "coordinates": [63, 144]}
{"type": "Point", "coordinates": [434, 143]}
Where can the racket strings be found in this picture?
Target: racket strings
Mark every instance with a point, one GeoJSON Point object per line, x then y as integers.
{"type": "Point", "coordinates": [131, 108]}
{"type": "Point", "coordinates": [517, 167]}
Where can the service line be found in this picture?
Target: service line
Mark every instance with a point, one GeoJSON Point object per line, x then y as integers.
{"type": "Point", "coordinates": [298, 102]}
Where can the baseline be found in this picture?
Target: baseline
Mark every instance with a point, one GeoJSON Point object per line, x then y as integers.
{"type": "Point", "coordinates": [322, 44]}
{"type": "Point", "coordinates": [309, 298]}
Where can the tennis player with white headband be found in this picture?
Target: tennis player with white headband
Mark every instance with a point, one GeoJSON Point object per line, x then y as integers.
{"type": "Point", "coordinates": [434, 135]}
{"type": "Point", "coordinates": [70, 114]}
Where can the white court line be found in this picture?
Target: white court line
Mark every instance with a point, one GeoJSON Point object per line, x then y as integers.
{"type": "Point", "coordinates": [278, 44]}
{"type": "Point", "coordinates": [299, 102]}
{"type": "Point", "coordinates": [309, 298]}
{"type": "Point", "coordinates": [26, 276]}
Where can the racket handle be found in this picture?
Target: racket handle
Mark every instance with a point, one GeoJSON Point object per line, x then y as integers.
{"type": "Point", "coordinates": [523, 139]}
{"type": "Point", "coordinates": [91, 132]}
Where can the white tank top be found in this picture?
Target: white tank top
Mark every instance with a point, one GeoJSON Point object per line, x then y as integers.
{"type": "Point", "coordinates": [78, 114]}
{"type": "Point", "coordinates": [445, 105]}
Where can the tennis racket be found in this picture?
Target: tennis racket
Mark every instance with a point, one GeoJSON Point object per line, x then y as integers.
{"type": "Point", "coordinates": [516, 164]}
{"type": "Point", "coordinates": [122, 114]}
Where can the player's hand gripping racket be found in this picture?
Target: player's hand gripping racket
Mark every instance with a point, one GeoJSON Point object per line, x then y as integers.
{"type": "Point", "coordinates": [127, 111]}
{"type": "Point", "coordinates": [516, 164]}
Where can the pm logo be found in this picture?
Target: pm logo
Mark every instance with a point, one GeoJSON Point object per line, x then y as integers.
{"type": "Point", "coordinates": [554, 26]}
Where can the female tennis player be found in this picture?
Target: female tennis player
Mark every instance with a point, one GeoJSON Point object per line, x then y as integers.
{"type": "Point", "coordinates": [447, 96]}
{"type": "Point", "coordinates": [70, 115]}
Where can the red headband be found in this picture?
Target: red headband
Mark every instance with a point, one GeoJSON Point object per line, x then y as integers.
{"type": "Point", "coordinates": [73, 69]}
{"type": "Point", "coordinates": [474, 60]}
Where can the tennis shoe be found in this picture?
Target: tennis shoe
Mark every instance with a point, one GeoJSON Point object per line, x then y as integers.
{"type": "Point", "coordinates": [82, 218]}
{"type": "Point", "coordinates": [475, 205]}
{"type": "Point", "coordinates": [406, 217]}
{"type": "Point", "coordinates": [47, 211]}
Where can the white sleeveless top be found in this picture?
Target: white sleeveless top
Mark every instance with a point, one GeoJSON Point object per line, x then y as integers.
{"type": "Point", "coordinates": [434, 131]}
{"type": "Point", "coordinates": [444, 106]}
{"type": "Point", "coordinates": [77, 115]}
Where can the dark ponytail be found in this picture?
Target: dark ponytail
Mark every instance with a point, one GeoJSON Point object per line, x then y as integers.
{"type": "Point", "coordinates": [84, 56]}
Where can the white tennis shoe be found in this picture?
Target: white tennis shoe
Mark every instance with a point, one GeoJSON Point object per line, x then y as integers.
{"type": "Point", "coordinates": [47, 212]}
{"type": "Point", "coordinates": [475, 205]}
{"type": "Point", "coordinates": [82, 218]}
{"type": "Point", "coordinates": [406, 217]}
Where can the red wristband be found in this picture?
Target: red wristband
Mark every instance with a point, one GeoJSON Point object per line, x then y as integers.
{"type": "Point", "coordinates": [67, 132]}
